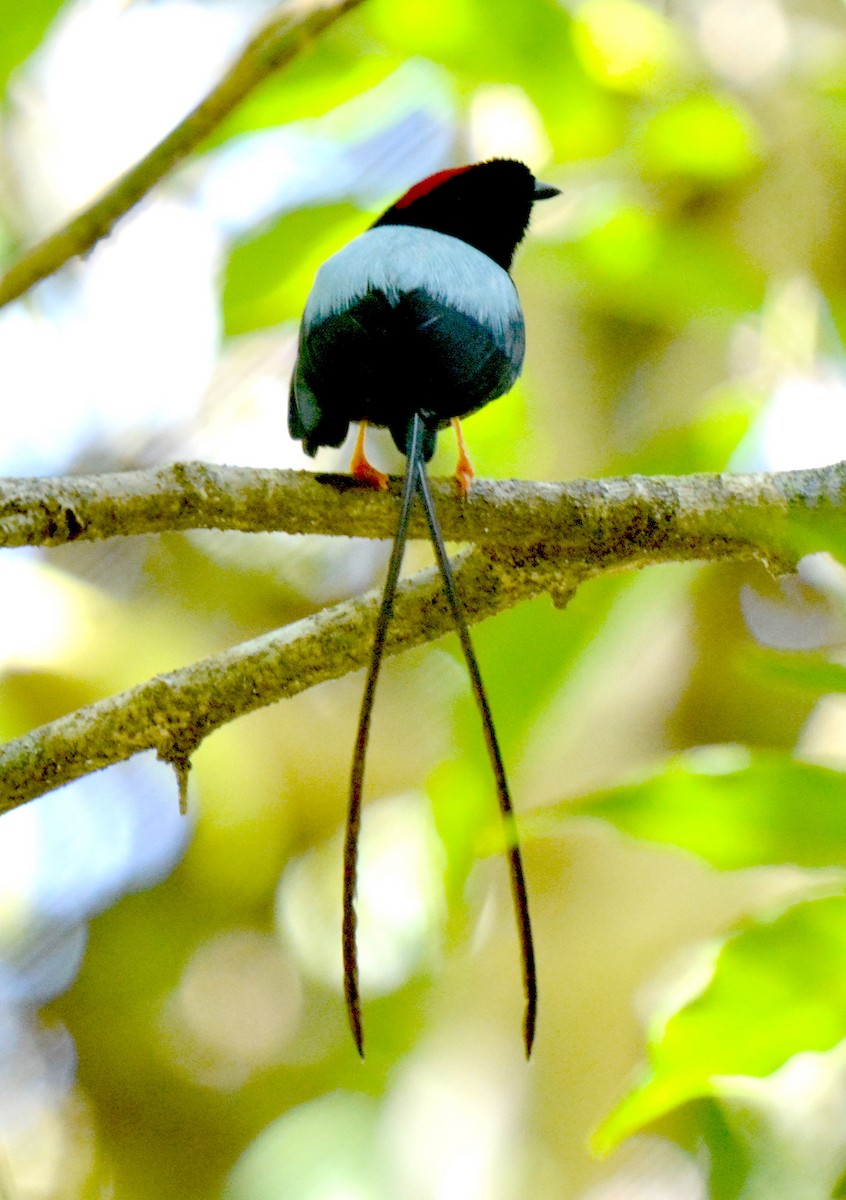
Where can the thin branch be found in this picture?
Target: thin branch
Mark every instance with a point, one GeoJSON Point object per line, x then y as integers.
{"type": "Point", "coordinates": [664, 516]}
{"type": "Point", "coordinates": [279, 41]}
{"type": "Point", "coordinates": [172, 713]}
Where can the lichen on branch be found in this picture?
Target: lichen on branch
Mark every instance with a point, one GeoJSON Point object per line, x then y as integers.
{"type": "Point", "coordinates": [527, 539]}
{"type": "Point", "coordinates": [682, 516]}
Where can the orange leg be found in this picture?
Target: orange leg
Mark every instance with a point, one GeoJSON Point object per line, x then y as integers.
{"type": "Point", "coordinates": [464, 473]}
{"type": "Point", "coordinates": [361, 469]}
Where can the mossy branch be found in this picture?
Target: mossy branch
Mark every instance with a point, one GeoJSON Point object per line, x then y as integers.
{"type": "Point", "coordinates": [529, 539]}
{"type": "Point", "coordinates": [663, 516]}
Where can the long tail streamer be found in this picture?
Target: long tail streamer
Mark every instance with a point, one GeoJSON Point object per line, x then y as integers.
{"type": "Point", "coordinates": [416, 480]}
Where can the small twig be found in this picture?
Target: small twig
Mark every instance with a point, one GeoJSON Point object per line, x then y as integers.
{"type": "Point", "coordinates": [181, 763]}
{"type": "Point", "coordinates": [279, 41]}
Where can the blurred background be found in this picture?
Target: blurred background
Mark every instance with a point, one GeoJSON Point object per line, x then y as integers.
{"type": "Point", "coordinates": [171, 1015]}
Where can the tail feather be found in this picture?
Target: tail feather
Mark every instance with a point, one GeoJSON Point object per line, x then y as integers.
{"type": "Point", "coordinates": [416, 481]}
{"type": "Point", "coordinates": [515, 861]}
{"type": "Point", "coordinates": [386, 609]}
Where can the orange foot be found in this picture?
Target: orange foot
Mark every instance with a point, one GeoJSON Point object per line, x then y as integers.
{"type": "Point", "coordinates": [464, 473]}
{"type": "Point", "coordinates": [361, 469]}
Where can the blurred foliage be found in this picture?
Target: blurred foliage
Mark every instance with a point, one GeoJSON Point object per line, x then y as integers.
{"type": "Point", "coordinates": [683, 788]}
{"type": "Point", "coordinates": [812, 672]}
{"type": "Point", "coordinates": [731, 810]}
{"type": "Point", "coordinates": [23, 28]}
{"type": "Point", "coordinates": [255, 294]}
{"type": "Point", "coordinates": [772, 994]}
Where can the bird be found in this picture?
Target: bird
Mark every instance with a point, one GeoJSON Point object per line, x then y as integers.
{"type": "Point", "coordinates": [412, 326]}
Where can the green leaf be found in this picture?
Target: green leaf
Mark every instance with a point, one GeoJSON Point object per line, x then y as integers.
{"type": "Point", "coordinates": [809, 532]}
{"type": "Point", "coordinates": [625, 245]}
{"type": "Point", "coordinates": [776, 990]}
{"type": "Point", "coordinates": [22, 28]}
{"type": "Point", "coordinates": [705, 443]}
{"type": "Point", "coordinates": [805, 672]}
{"type": "Point", "coordinates": [484, 40]}
{"type": "Point", "coordinates": [732, 808]}
{"type": "Point", "coordinates": [704, 138]}
{"type": "Point", "coordinates": [268, 275]}
{"type": "Point", "coordinates": [527, 657]}
{"type": "Point", "coordinates": [526, 46]}
{"type": "Point", "coordinates": [642, 269]}
{"type": "Point", "coordinates": [312, 85]}
{"type": "Point", "coordinates": [625, 45]}
{"type": "Point", "coordinates": [729, 1158]}
{"type": "Point", "coordinates": [539, 665]}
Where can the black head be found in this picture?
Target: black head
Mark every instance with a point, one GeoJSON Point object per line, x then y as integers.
{"type": "Point", "coordinates": [486, 204]}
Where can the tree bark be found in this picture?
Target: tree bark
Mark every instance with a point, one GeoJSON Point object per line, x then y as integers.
{"type": "Point", "coordinates": [527, 539]}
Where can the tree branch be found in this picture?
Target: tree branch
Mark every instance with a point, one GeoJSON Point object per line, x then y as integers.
{"type": "Point", "coordinates": [172, 713]}
{"type": "Point", "coordinates": [664, 517]}
{"type": "Point", "coordinates": [531, 538]}
{"type": "Point", "coordinates": [279, 41]}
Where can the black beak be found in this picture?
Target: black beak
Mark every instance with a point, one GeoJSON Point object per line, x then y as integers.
{"type": "Point", "coordinates": [544, 191]}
